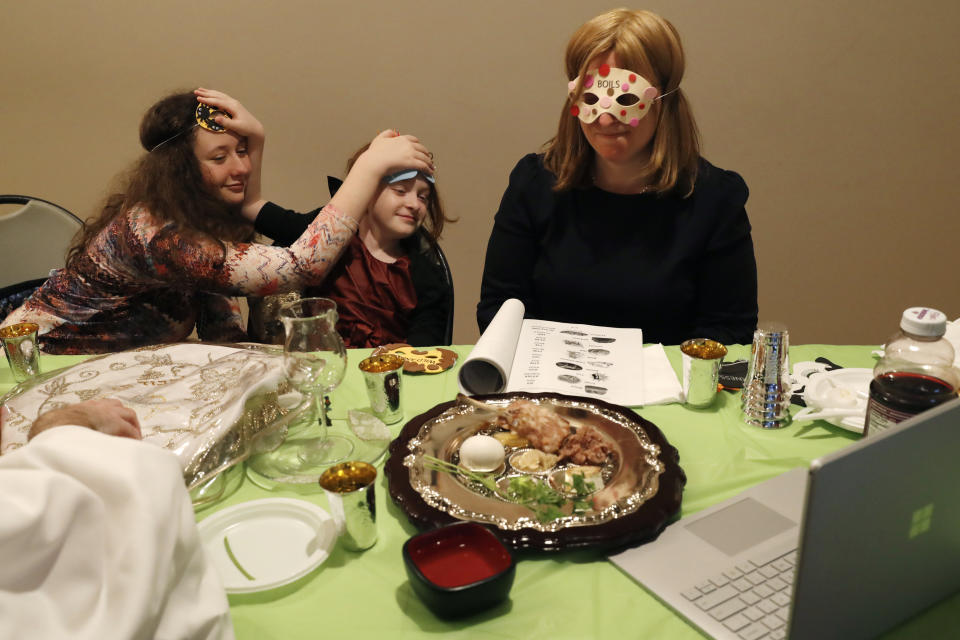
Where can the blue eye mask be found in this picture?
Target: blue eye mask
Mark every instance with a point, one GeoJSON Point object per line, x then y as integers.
{"type": "Point", "coordinates": [406, 174]}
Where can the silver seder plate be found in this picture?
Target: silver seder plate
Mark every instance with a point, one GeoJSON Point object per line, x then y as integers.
{"type": "Point", "coordinates": [631, 474]}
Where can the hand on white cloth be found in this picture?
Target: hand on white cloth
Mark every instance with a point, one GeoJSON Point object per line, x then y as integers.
{"type": "Point", "coordinates": [98, 540]}
{"type": "Point", "coordinates": [188, 398]}
{"type": "Point", "coordinates": [106, 416]}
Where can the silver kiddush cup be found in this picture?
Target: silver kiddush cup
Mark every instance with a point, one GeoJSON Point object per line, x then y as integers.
{"type": "Point", "coordinates": [350, 494]}
{"type": "Point", "coordinates": [766, 392]}
{"type": "Point", "coordinates": [701, 358]}
{"type": "Point", "coordinates": [381, 375]}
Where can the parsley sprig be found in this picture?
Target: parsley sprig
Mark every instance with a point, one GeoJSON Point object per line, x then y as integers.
{"type": "Point", "coordinates": [546, 502]}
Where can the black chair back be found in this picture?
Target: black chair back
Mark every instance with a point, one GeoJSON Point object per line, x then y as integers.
{"type": "Point", "coordinates": [33, 241]}
{"type": "Point", "coordinates": [439, 258]}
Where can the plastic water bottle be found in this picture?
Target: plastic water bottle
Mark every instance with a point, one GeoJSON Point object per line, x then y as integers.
{"type": "Point", "coordinates": [915, 373]}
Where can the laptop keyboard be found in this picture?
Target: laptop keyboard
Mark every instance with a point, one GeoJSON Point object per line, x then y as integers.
{"type": "Point", "coordinates": [752, 599]}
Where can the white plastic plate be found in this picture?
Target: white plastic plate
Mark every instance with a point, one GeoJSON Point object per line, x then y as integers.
{"type": "Point", "coordinates": [275, 541]}
{"type": "Point", "coordinates": [854, 380]}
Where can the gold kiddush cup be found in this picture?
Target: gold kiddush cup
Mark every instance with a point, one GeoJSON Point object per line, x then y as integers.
{"type": "Point", "coordinates": [20, 345]}
{"type": "Point", "coordinates": [765, 398]}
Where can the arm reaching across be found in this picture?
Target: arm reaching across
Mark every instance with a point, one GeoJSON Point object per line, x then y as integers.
{"type": "Point", "coordinates": [388, 152]}
{"type": "Point", "coordinates": [166, 254]}
{"type": "Point", "coordinates": [251, 269]}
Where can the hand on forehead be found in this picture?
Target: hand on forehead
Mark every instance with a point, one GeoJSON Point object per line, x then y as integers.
{"type": "Point", "coordinates": [624, 94]}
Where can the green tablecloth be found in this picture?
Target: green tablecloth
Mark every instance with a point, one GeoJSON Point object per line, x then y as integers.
{"type": "Point", "coordinates": [571, 595]}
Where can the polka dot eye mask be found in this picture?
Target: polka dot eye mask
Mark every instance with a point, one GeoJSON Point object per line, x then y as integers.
{"type": "Point", "coordinates": [625, 95]}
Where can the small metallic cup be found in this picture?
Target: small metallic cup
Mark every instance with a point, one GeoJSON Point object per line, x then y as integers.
{"type": "Point", "coordinates": [766, 391]}
{"type": "Point", "coordinates": [20, 345]}
{"type": "Point", "coordinates": [381, 375]}
{"type": "Point", "coordinates": [350, 494]}
{"type": "Point", "coordinates": [701, 370]}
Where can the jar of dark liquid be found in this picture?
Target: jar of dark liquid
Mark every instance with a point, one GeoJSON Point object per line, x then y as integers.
{"type": "Point", "coordinates": [915, 373]}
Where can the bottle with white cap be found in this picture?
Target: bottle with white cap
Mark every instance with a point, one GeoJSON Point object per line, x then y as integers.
{"type": "Point", "coordinates": [915, 373]}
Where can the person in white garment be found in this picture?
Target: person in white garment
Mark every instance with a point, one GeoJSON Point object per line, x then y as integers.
{"type": "Point", "coordinates": [98, 538]}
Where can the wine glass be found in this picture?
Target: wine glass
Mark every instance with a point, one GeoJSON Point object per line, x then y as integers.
{"type": "Point", "coordinates": [315, 361]}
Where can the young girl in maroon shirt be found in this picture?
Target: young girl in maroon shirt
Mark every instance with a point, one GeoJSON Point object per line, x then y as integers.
{"type": "Point", "coordinates": [388, 285]}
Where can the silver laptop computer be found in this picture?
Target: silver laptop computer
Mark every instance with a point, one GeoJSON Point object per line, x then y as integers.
{"type": "Point", "coordinates": [862, 540]}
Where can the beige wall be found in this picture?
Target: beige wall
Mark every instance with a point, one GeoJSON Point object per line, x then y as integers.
{"type": "Point", "coordinates": [842, 118]}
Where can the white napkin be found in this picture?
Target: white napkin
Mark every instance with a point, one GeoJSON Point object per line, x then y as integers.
{"type": "Point", "coordinates": [660, 383]}
{"type": "Point", "coordinates": [952, 336]}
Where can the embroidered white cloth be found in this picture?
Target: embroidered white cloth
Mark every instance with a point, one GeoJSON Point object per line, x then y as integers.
{"type": "Point", "coordinates": [208, 404]}
{"type": "Point", "coordinates": [98, 541]}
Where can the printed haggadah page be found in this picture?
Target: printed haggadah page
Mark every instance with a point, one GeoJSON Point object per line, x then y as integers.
{"type": "Point", "coordinates": [583, 360]}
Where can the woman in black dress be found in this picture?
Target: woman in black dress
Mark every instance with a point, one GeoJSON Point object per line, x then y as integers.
{"type": "Point", "coordinates": [620, 221]}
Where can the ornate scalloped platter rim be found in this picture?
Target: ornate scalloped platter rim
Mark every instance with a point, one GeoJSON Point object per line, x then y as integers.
{"type": "Point", "coordinates": [642, 524]}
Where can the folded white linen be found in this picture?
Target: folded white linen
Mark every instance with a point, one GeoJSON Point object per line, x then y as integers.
{"type": "Point", "coordinates": [98, 540]}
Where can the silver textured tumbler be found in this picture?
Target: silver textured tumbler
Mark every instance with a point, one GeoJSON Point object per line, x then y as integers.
{"type": "Point", "coordinates": [766, 392]}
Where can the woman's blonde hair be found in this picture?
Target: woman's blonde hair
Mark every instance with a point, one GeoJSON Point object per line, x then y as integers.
{"type": "Point", "coordinates": [649, 45]}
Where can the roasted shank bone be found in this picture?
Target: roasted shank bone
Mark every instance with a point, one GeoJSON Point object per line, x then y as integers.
{"type": "Point", "coordinates": [548, 431]}
{"type": "Point", "coordinates": [540, 425]}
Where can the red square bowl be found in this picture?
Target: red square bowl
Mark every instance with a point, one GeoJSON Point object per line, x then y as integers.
{"type": "Point", "coordinates": [459, 569]}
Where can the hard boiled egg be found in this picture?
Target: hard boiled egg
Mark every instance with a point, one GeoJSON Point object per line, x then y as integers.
{"type": "Point", "coordinates": [481, 453]}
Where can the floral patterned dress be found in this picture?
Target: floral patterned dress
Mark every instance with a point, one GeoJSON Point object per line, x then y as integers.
{"type": "Point", "coordinates": [142, 281]}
